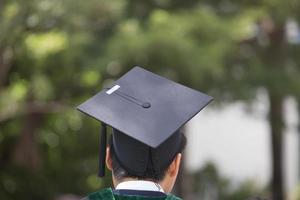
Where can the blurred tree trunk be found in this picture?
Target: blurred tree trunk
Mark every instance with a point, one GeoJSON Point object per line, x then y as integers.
{"type": "Point", "coordinates": [5, 64]}
{"type": "Point", "coordinates": [276, 126]}
{"type": "Point", "coordinates": [275, 55]}
{"type": "Point", "coordinates": [298, 109]}
{"type": "Point", "coordinates": [1, 4]}
{"type": "Point", "coordinates": [26, 149]}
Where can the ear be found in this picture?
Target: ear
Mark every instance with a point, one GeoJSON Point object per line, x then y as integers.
{"type": "Point", "coordinates": [108, 159]}
{"type": "Point", "coordinates": [171, 174]}
{"type": "Point", "coordinates": [175, 165]}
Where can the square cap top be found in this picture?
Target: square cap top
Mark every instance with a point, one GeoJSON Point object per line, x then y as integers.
{"type": "Point", "coordinates": [145, 106]}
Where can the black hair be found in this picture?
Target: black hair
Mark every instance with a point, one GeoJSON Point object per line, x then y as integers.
{"type": "Point", "coordinates": [150, 174]}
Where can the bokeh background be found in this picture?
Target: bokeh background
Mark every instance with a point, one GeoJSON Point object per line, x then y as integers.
{"type": "Point", "coordinates": [54, 54]}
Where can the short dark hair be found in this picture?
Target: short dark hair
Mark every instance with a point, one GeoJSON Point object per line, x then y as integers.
{"type": "Point", "coordinates": [155, 175]}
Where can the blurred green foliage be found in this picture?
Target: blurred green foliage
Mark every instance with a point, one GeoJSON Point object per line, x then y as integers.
{"type": "Point", "coordinates": [54, 54]}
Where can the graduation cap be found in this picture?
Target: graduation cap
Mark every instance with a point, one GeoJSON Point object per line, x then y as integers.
{"type": "Point", "coordinates": [146, 112]}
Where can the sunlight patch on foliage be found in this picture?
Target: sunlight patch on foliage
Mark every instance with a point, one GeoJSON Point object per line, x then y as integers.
{"type": "Point", "coordinates": [90, 78]}
{"type": "Point", "coordinates": [244, 26]}
{"type": "Point", "coordinates": [19, 90]}
{"type": "Point", "coordinates": [159, 17]}
{"type": "Point", "coordinates": [42, 87]}
{"type": "Point", "coordinates": [60, 125]}
{"type": "Point", "coordinates": [130, 27]}
{"type": "Point", "coordinates": [11, 10]}
{"type": "Point", "coordinates": [50, 138]}
{"type": "Point", "coordinates": [74, 120]}
{"type": "Point", "coordinates": [44, 44]}
{"type": "Point", "coordinates": [11, 99]}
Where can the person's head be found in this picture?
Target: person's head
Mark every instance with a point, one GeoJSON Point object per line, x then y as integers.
{"type": "Point", "coordinates": [145, 112]}
{"type": "Point", "coordinates": [164, 173]}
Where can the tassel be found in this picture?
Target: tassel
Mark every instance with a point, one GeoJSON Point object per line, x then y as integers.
{"type": "Point", "coordinates": [102, 150]}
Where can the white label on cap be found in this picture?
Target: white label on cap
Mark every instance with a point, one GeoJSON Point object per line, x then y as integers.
{"type": "Point", "coordinates": [113, 89]}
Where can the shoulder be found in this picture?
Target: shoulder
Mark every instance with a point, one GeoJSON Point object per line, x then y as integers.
{"type": "Point", "coordinates": [172, 197]}
{"type": "Point", "coordinates": [100, 195]}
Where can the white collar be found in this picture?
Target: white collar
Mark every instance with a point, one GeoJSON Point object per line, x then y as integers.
{"type": "Point", "coordinates": [139, 185]}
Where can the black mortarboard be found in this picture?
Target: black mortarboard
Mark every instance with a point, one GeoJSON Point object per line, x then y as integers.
{"type": "Point", "coordinates": [146, 112]}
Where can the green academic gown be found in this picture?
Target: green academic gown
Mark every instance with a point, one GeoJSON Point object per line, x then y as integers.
{"type": "Point", "coordinates": [107, 194]}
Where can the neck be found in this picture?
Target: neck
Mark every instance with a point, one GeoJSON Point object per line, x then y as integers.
{"type": "Point", "coordinates": [117, 182]}
{"type": "Point", "coordinates": [134, 184]}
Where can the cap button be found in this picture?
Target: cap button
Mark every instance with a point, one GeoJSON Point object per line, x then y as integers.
{"type": "Point", "coordinates": [146, 105]}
